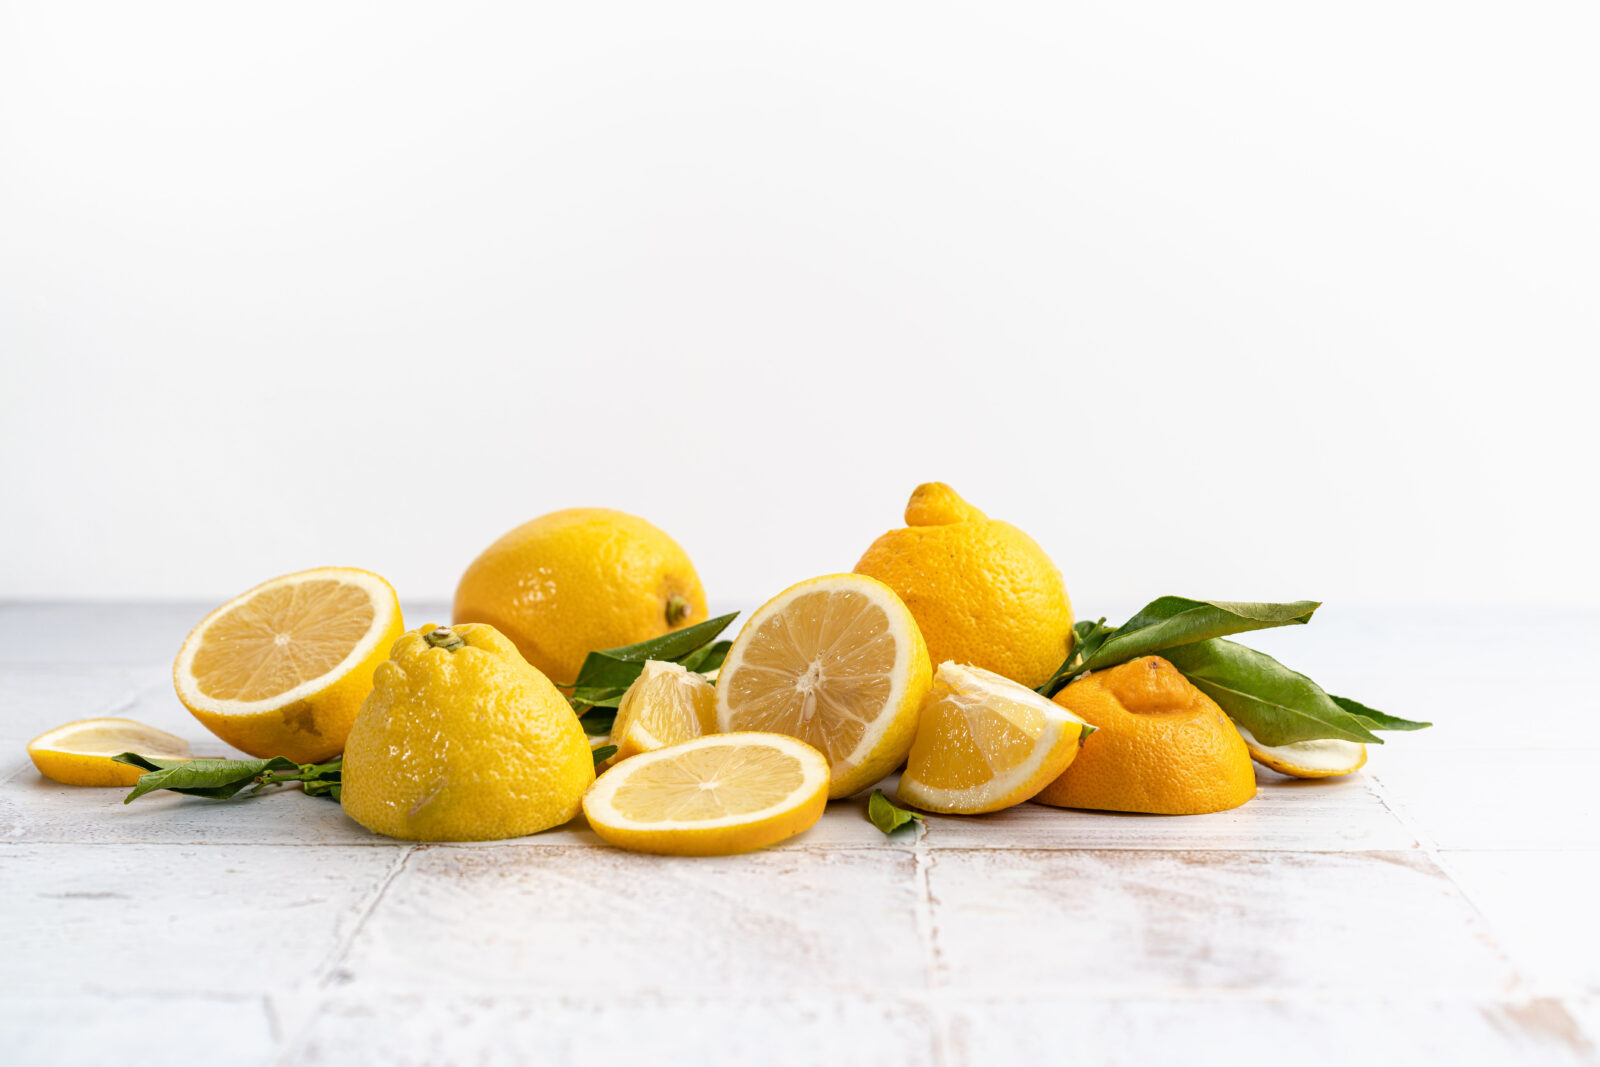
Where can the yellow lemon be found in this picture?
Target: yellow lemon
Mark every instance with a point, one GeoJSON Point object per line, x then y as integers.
{"type": "Point", "coordinates": [836, 662]}
{"type": "Point", "coordinates": [982, 591]}
{"type": "Point", "coordinates": [1162, 746]}
{"type": "Point", "coordinates": [462, 740]}
{"type": "Point", "coordinates": [712, 796]}
{"type": "Point", "coordinates": [985, 743]}
{"type": "Point", "coordinates": [666, 704]}
{"type": "Point", "coordinates": [1327, 758]}
{"type": "Point", "coordinates": [282, 669]}
{"type": "Point", "coordinates": [575, 581]}
{"type": "Point", "coordinates": [79, 753]}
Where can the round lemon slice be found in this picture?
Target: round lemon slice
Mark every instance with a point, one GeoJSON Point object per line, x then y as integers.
{"type": "Point", "coordinates": [79, 753]}
{"type": "Point", "coordinates": [666, 705]}
{"type": "Point", "coordinates": [986, 743]}
{"type": "Point", "coordinates": [837, 662]}
{"type": "Point", "coordinates": [1327, 758]}
{"type": "Point", "coordinates": [283, 669]}
{"type": "Point", "coordinates": [712, 796]}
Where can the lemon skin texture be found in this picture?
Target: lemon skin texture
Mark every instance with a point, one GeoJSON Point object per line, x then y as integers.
{"type": "Point", "coordinates": [464, 744]}
{"type": "Point", "coordinates": [575, 581]}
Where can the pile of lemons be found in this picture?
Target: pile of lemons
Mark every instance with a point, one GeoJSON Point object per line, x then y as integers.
{"type": "Point", "coordinates": [921, 660]}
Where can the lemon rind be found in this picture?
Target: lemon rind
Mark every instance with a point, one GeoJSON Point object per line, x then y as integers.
{"type": "Point", "coordinates": [385, 607]}
{"type": "Point", "coordinates": [50, 740]}
{"type": "Point", "coordinates": [1289, 759]}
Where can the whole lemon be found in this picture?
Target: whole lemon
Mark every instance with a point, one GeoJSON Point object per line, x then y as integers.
{"type": "Point", "coordinates": [461, 740]}
{"type": "Point", "coordinates": [578, 580]}
{"type": "Point", "coordinates": [983, 592]}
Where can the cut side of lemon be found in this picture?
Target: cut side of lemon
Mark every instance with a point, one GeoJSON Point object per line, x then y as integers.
{"type": "Point", "coordinates": [666, 705]}
{"type": "Point", "coordinates": [837, 662]}
{"type": "Point", "coordinates": [1327, 758]}
{"type": "Point", "coordinates": [986, 743]}
{"type": "Point", "coordinates": [712, 796]}
{"type": "Point", "coordinates": [283, 669]}
{"type": "Point", "coordinates": [79, 753]}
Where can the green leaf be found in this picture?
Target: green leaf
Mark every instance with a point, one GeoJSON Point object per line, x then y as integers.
{"type": "Point", "coordinates": [616, 668]}
{"type": "Point", "coordinates": [1086, 638]}
{"type": "Point", "coordinates": [597, 723]}
{"type": "Point", "coordinates": [1374, 719]}
{"type": "Point", "coordinates": [1277, 705]}
{"type": "Point", "coordinates": [217, 779]}
{"type": "Point", "coordinates": [707, 659]}
{"type": "Point", "coordinates": [603, 753]}
{"type": "Point", "coordinates": [1173, 621]}
{"type": "Point", "coordinates": [885, 815]}
{"type": "Point", "coordinates": [588, 697]}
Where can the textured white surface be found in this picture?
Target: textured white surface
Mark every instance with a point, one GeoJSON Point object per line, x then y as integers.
{"type": "Point", "coordinates": [1436, 907]}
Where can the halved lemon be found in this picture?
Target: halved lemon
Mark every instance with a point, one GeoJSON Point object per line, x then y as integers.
{"type": "Point", "coordinates": [838, 662]}
{"type": "Point", "coordinates": [666, 705]}
{"type": "Point", "coordinates": [1327, 758]}
{"type": "Point", "coordinates": [79, 753]}
{"type": "Point", "coordinates": [712, 796]}
{"type": "Point", "coordinates": [986, 743]}
{"type": "Point", "coordinates": [283, 669]}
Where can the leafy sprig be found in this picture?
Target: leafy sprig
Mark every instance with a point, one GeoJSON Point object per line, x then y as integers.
{"type": "Point", "coordinates": [605, 676]}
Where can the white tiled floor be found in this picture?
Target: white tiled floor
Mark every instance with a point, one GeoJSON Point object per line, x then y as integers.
{"type": "Point", "coordinates": [1436, 908]}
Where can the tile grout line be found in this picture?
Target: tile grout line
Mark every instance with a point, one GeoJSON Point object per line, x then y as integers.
{"type": "Point", "coordinates": [364, 912]}
{"type": "Point", "coordinates": [922, 860]}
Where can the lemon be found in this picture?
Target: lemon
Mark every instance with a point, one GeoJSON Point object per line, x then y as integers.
{"type": "Point", "coordinates": [462, 740]}
{"type": "Point", "coordinates": [985, 743]}
{"type": "Point", "coordinates": [79, 753]}
{"type": "Point", "coordinates": [837, 662]}
{"type": "Point", "coordinates": [982, 591]}
{"type": "Point", "coordinates": [712, 796]}
{"type": "Point", "coordinates": [1307, 759]}
{"type": "Point", "coordinates": [665, 705]}
{"type": "Point", "coordinates": [578, 580]}
{"type": "Point", "coordinates": [282, 669]}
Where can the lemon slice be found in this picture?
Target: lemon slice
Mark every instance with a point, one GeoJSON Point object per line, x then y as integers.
{"type": "Point", "coordinates": [283, 669]}
{"type": "Point", "coordinates": [667, 704]}
{"type": "Point", "coordinates": [839, 663]}
{"type": "Point", "coordinates": [79, 753]}
{"type": "Point", "coordinates": [1327, 758]}
{"type": "Point", "coordinates": [712, 796]}
{"type": "Point", "coordinates": [986, 743]}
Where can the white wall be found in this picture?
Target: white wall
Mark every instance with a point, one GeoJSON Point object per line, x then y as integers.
{"type": "Point", "coordinates": [1244, 300]}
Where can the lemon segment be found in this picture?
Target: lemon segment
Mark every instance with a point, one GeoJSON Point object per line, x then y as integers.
{"type": "Point", "coordinates": [282, 670]}
{"type": "Point", "coordinates": [985, 743]}
{"type": "Point", "coordinates": [837, 662]}
{"type": "Point", "coordinates": [712, 796]}
{"type": "Point", "coordinates": [1327, 758]}
{"type": "Point", "coordinates": [666, 705]}
{"type": "Point", "coordinates": [79, 753]}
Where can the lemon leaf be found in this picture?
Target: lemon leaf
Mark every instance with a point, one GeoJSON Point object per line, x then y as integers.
{"type": "Point", "coordinates": [616, 668]}
{"type": "Point", "coordinates": [222, 779]}
{"type": "Point", "coordinates": [603, 753]}
{"type": "Point", "coordinates": [1277, 705]}
{"type": "Point", "coordinates": [598, 722]}
{"type": "Point", "coordinates": [1374, 719]}
{"type": "Point", "coordinates": [885, 815]}
{"type": "Point", "coordinates": [1172, 621]}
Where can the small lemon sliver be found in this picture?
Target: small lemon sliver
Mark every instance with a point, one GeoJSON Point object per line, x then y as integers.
{"type": "Point", "coordinates": [985, 743]}
{"type": "Point", "coordinates": [1326, 758]}
{"type": "Point", "coordinates": [712, 796]}
{"type": "Point", "coordinates": [79, 753]}
{"type": "Point", "coordinates": [837, 662]}
{"type": "Point", "coordinates": [666, 705]}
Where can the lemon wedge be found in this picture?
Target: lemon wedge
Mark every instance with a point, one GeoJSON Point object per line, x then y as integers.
{"type": "Point", "coordinates": [712, 796]}
{"type": "Point", "coordinates": [837, 662]}
{"type": "Point", "coordinates": [79, 753]}
{"type": "Point", "coordinates": [666, 705]}
{"type": "Point", "coordinates": [986, 743]}
{"type": "Point", "coordinates": [1326, 758]}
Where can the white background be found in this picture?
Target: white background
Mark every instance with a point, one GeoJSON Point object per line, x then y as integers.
{"type": "Point", "coordinates": [1224, 299]}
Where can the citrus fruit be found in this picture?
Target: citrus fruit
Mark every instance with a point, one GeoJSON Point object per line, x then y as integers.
{"type": "Point", "coordinates": [79, 753]}
{"type": "Point", "coordinates": [985, 743]}
{"type": "Point", "coordinates": [575, 581]}
{"type": "Point", "coordinates": [837, 662]}
{"type": "Point", "coordinates": [282, 669]}
{"type": "Point", "coordinates": [1307, 759]}
{"type": "Point", "coordinates": [982, 591]}
{"type": "Point", "coordinates": [1162, 746]}
{"type": "Point", "coordinates": [666, 704]}
{"type": "Point", "coordinates": [712, 796]}
{"type": "Point", "coordinates": [462, 740]}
